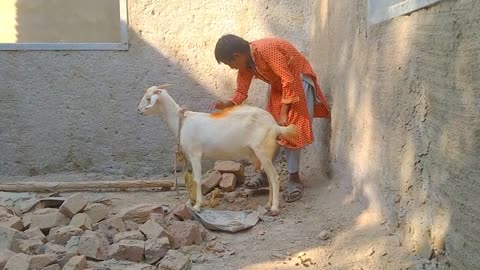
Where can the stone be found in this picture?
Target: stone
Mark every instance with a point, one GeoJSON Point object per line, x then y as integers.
{"type": "Point", "coordinates": [211, 182]}
{"type": "Point", "coordinates": [11, 221]}
{"type": "Point", "coordinates": [41, 261]}
{"type": "Point", "coordinates": [130, 225]}
{"type": "Point", "coordinates": [130, 250]}
{"type": "Point", "coordinates": [82, 221]}
{"type": "Point", "coordinates": [174, 260]}
{"type": "Point", "coordinates": [229, 182]}
{"type": "Point", "coordinates": [76, 263]}
{"type": "Point", "coordinates": [35, 233]}
{"type": "Point", "coordinates": [110, 227]}
{"type": "Point", "coordinates": [9, 237]}
{"type": "Point", "coordinates": [63, 234]}
{"type": "Point", "coordinates": [29, 246]}
{"type": "Point", "coordinates": [131, 235]}
{"type": "Point", "coordinates": [73, 205]}
{"type": "Point", "coordinates": [96, 212]}
{"type": "Point", "coordinates": [323, 235]}
{"type": "Point", "coordinates": [47, 218]}
{"type": "Point", "coordinates": [61, 252]}
{"type": "Point", "coordinates": [231, 195]}
{"type": "Point", "coordinates": [4, 256]}
{"type": "Point", "coordinates": [185, 233]}
{"type": "Point", "coordinates": [72, 245]}
{"type": "Point", "coordinates": [152, 230]}
{"type": "Point", "coordinates": [18, 261]}
{"type": "Point", "coordinates": [93, 246]}
{"type": "Point", "coordinates": [230, 167]}
{"type": "Point", "coordinates": [139, 213]}
{"type": "Point", "coordinates": [182, 212]}
{"type": "Point", "coordinates": [52, 267]}
{"type": "Point", "coordinates": [156, 249]}
{"type": "Point", "coordinates": [27, 219]}
{"type": "Point", "coordinates": [157, 217]}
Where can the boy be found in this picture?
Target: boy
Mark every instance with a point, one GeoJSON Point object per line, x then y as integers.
{"type": "Point", "coordinates": [295, 96]}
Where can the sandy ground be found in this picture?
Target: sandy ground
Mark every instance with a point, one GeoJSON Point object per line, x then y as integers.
{"type": "Point", "coordinates": [356, 237]}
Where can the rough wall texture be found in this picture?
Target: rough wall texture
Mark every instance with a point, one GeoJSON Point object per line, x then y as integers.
{"type": "Point", "coordinates": [405, 130]}
{"type": "Point", "coordinates": [76, 111]}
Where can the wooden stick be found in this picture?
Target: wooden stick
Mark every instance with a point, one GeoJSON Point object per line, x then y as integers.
{"type": "Point", "coordinates": [86, 186]}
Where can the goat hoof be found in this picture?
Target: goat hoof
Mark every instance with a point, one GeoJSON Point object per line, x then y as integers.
{"type": "Point", "coordinates": [268, 206]}
{"type": "Point", "coordinates": [274, 212]}
{"type": "Point", "coordinates": [197, 208]}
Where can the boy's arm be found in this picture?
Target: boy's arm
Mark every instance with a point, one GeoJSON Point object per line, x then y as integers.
{"type": "Point", "coordinates": [244, 79]}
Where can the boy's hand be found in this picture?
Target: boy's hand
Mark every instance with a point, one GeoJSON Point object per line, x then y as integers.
{"type": "Point", "coordinates": [282, 121]}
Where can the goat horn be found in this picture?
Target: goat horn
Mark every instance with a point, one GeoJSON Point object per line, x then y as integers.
{"type": "Point", "coordinates": [164, 85]}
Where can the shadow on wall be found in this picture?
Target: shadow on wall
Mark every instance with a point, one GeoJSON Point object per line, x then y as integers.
{"type": "Point", "coordinates": [77, 110]}
{"type": "Point", "coordinates": [405, 126]}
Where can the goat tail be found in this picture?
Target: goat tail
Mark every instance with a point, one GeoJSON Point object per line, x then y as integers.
{"type": "Point", "coordinates": [289, 131]}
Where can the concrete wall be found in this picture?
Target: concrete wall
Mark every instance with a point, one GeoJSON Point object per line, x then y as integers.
{"type": "Point", "coordinates": [405, 129]}
{"type": "Point", "coordinates": [76, 111]}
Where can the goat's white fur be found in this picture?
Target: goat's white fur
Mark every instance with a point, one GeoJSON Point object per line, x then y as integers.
{"type": "Point", "coordinates": [245, 132]}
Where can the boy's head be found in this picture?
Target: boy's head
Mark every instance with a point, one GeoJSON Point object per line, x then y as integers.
{"type": "Point", "coordinates": [233, 51]}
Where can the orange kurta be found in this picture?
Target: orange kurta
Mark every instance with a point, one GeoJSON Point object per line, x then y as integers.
{"type": "Point", "coordinates": [279, 64]}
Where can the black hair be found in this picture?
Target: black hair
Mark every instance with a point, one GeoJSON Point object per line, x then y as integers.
{"type": "Point", "coordinates": [229, 44]}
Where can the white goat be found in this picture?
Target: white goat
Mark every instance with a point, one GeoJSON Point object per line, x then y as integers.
{"type": "Point", "coordinates": [240, 132]}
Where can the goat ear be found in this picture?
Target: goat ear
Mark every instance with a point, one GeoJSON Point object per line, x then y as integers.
{"type": "Point", "coordinates": [153, 100]}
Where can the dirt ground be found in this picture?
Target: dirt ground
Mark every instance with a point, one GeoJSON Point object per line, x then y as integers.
{"type": "Point", "coordinates": [354, 237]}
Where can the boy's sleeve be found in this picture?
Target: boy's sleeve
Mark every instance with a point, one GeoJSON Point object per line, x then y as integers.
{"type": "Point", "coordinates": [244, 79]}
{"type": "Point", "coordinates": [279, 63]}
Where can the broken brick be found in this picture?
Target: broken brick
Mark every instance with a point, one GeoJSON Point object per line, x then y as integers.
{"type": "Point", "coordinates": [182, 212]}
{"type": "Point", "coordinates": [211, 182]}
{"type": "Point", "coordinates": [76, 263]}
{"type": "Point", "coordinates": [47, 218]}
{"type": "Point", "coordinates": [185, 233]}
{"type": "Point", "coordinates": [73, 205]}
{"type": "Point", "coordinates": [93, 246]}
{"type": "Point", "coordinates": [156, 249]}
{"type": "Point", "coordinates": [230, 167]}
{"type": "Point", "coordinates": [152, 230]}
{"type": "Point", "coordinates": [174, 260]}
{"type": "Point", "coordinates": [129, 250]}
{"type": "Point", "coordinates": [96, 212]}
{"type": "Point", "coordinates": [63, 234]}
{"type": "Point", "coordinates": [139, 213]}
{"type": "Point", "coordinates": [82, 221]}
{"type": "Point", "coordinates": [131, 235]}
{"type": "Point", "coordinates": [229, 182]}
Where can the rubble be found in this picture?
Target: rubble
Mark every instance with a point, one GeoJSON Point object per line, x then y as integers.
{"type": "Point", "coordinates": [4, 256]}
{"type": "Point", "coordinates": [185, 233]}
{"type": "Point", "coordinates": [82, 221]}
{"type": "Point", "coordinates": [9, 236]}
{"type": "Point", "coordinates": [231, 167]}
{"type": "Point", "coordinates": [182, 212]}
{"type": "Point", "coordinates": [41, 261]}
{"type": "Point", "coordinates": [131, 235]}
{"type": "Point", "coordinates": [93, 246]}
{"type": "Point", "coordinates": [76, 263]}
{"type": "Point", "coordinates": [156, 249]}
{"type": "Point", "coordinates": [229, 182]}
{"type": "Point", "coordinates": [129, 250]}
{"type": "Point", "coordinates": [18, 261]}
{"type": "Point", "coordinates": [35, 233]}
{"type": "Point", "coordinates": [153, 230]}
{"type": "Point", "coordinates": [212, 181]}
{"type": "Point", "coordinates": [73, 205]}
{"type": "Point", "coordinates": [47, 218]}
{"type": "Point", "coordinates": [28, 246]}
{"type": "Point", "coordinates": [174, 260]}
{"type": "Point", "coordinates": [139, 213]}
{"type": "Point", "coordinates": [63, 234]}
{"type": "Point", "coordinates": [11, 221]}
{"type": "Point", "coordinates": [52, 267]}
{"type": "Point", "coordinates": [96, 212]}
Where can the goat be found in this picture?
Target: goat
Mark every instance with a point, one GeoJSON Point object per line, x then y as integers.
{"type": "Point", "coordinates": [235, 133]}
